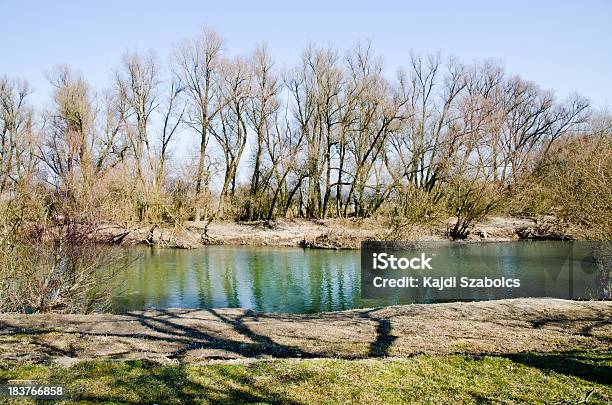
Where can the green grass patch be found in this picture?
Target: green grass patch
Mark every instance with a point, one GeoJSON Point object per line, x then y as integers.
{"type": "Point", "coordinates": [566, 377]}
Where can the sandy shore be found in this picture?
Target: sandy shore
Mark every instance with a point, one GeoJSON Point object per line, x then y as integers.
{"type": "Point", "coordinates": [229, 335]}
{"type": "Point", "coordinates": [326, 234]}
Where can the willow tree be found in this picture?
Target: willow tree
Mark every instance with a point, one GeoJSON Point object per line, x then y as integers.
{"type": "Point", "coordinates": [17, 143]}
{"type": "Point", "coordinates": [533, 120]}
{"type": "Point", "coordinates": [230, 127]}
{"type": "Point", "coordinates": [302, 86]}
{"type": "Point", "coordinates": [379, 111]}
{"type": "Point", "coordinates": [196, 64]}
{"type": "Point", "coordinates": [68, 146]}
{"type": "Point", "coordinates": [172, 113]}
{"type": "Point", "coordinates": [137, 83]}
{"type": "Point", "coordinates": [261, 110]}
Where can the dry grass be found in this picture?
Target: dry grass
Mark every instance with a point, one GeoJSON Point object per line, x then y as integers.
{"type": "Point", "coordinates": [203, 336]}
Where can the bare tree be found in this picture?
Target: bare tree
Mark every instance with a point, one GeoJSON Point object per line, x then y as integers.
{"type": "Point", "coordinates": [230, 129]}
{"type": "Point", "coordinates": [172, 116]}
{"type": "Point", "coordinates": [261, 109]}
{"type": "Point", "coordinates": [70, 125]}
{"type": "Point", "coordinates": [16, 143]}
{"type": "Point", "coordinates": [532, 121]}
{"type": "Point", "coordinates": [379, 111]}
{"type": "Point", "coordinates": [196, 64]}
{"type": "Point", "coordinates": [112, 144]}
{"type": "Point", "coordinates": [137, 82]}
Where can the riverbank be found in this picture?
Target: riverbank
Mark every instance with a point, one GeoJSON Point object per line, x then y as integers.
{"type": "Point", "coordinates": [514, 351]}
{"type": "Point", "coordinates": [323, 234]}
{"type": "Point", "coordinates": [171, 336]}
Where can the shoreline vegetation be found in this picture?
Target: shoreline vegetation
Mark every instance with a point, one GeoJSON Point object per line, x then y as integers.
{"type": "Point", "coordinates": [205, 135]}
{"type": "Point", "coordinates": [324, 234]}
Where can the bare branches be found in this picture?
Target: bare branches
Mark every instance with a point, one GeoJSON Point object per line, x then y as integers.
{"type": "Point", "coordinates": [17, 137]}
{"type": "Point", "coordinates": [172, 118]}
{"type": "Point", "coordinates": [332, 136]}
{"type": "Point", "coordinates": [69, 128]}
{"type": "Point", "coordinates": [196, 65]}
{"type": "Point", "coordinates": [230, 127]}
{"type": "Point", "coordinates": [137, 83]}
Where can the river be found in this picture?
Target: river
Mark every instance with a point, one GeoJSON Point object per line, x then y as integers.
{"type": "Point", "coordinates": [275, 279]}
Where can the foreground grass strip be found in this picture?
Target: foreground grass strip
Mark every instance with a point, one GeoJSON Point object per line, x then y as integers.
{"type": "Point", "coordinates": [566, 377]}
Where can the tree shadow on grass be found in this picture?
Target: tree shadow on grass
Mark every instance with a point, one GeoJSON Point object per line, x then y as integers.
{"type": "Point", "coordinates": [259, 346]}
{"type": "Point", "coordinates": [143, 382]}
{"type": "Point", "coordinates": [589, 366]}
{"type": "Point", "coordinates": [383, 341]}
{"type": "Point", "coordinates": [593, 323]}
{"type": "Point", "coordinates": [169, 327]}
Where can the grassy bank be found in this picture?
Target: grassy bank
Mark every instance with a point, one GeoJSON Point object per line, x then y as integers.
{"type": "Point", "coordinates": [513, 351]}
{"type": "Point", "coordinates": [561, 377]}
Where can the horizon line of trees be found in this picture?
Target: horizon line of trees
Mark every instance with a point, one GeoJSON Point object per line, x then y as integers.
{"type": "Point", "coordinates": [332, 136]}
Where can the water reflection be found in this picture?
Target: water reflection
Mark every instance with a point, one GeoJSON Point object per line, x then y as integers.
{"type": "Point", "coordinates": [298, 280]}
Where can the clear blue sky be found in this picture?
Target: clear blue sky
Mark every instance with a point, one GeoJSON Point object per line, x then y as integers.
{"type": "Point", "coordinates": [565, 46]}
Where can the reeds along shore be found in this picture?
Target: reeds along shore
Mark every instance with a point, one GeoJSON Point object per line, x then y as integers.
{"type": "Point", "coordinates": [334, 136]}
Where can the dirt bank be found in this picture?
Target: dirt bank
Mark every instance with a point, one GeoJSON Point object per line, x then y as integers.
{"type": "Point", "coordinates": [200, 336]}
{"type": "Point", "coordinates": [327, 234]}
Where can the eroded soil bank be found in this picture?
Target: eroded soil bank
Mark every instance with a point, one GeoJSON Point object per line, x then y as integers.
{"type": "Point", "coordinates": [230, 335]}
{"type": "Point", "coordinates": [326, 234]}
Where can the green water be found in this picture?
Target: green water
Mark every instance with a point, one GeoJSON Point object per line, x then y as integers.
{"type": "Point", "coordinates": [271, 279]}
